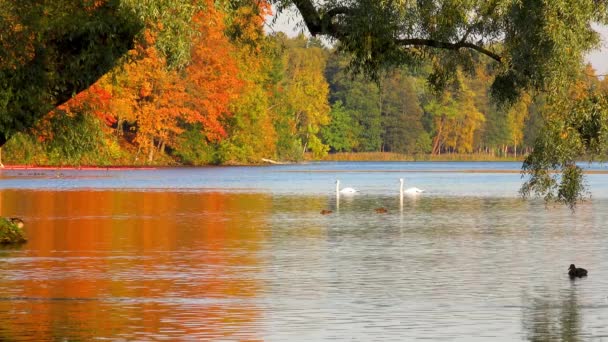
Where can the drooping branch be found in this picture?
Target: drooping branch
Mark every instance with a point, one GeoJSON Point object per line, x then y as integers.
{"type": "Point", "coordinates": [449, 46]}
{"type": "Point", "coordinates": [324, 25]}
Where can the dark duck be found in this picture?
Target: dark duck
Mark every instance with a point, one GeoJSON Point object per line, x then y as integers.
{"type": "Point", "coordinates": [575, 272]}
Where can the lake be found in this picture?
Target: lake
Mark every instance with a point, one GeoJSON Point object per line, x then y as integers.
{"type": "Point", "coordinates": [243, 253]}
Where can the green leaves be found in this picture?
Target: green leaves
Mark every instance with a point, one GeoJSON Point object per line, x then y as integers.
{"type": "Point", "coordinates": [54, 49]}
{"type": "Point", "coordinates": [338, 134]}
{"type": "Point", "coordinates": [538, 44]}
{"type": "Point", "coordinates": [173, 19]}
{"type": "Point", "coordinates": [576, 130]}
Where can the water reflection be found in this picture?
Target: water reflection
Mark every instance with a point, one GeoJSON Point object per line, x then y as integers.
{"type": "Point", "coordinates": [135, 266]}
{"type": "Point", "coordinates": [551, 320]}
{"type": "Point", "coordinates": [238, 266]}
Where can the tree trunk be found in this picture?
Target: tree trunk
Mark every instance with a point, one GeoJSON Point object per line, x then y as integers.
{"type": "Point", "coordinates": [137, 154]}
{"type": "Point", "coordinates": [437, 139]}
{"type": "Point", "coordinates": [119, 131]}
{"type": "Point", "coordinates": [305, 145]}
{"type": "Point", "coordinates": [151, 152]}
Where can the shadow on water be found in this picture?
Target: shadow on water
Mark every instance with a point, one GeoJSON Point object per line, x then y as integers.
{"type": "Point", "coordinates": [548, 320]}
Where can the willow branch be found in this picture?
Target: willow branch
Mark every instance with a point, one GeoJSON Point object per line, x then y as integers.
{"type": "Point", "coordinates": [449, 46]}
{"type": "Point", "coordinates": [323, 24]}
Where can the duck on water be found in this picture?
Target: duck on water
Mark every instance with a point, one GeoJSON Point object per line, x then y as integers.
{"type": "Point", "coordinates": [575, 272]}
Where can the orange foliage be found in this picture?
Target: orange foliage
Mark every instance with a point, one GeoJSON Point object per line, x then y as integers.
{"type": "Point", "coordinates": [158, 96]}
{"type": "Point", "coordinates": [91, 5]}
{"type": "Point", "coordinates": [212, 73]}
{"type": "Point", "coordinates": [222, 77]}
{"type": "Point", "coordinates": [95, 100]}
{"type": "Point", "coordinates": [248, 23]}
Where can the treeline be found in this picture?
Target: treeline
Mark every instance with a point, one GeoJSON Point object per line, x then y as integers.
{"type": "Point", "coordinates": [400, 113]}
{"type": "Point", "coordinates": [228, 93]}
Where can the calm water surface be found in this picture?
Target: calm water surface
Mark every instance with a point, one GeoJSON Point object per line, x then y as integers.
{"type": "Point", "coordinates": [244, 254]}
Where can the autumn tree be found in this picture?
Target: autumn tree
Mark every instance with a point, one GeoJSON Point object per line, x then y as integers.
{"type": "Point", "coordinates": [212, 73]}
{"type": "Point", "coordinates": [51, 50]}
{"type": "Point", "coordinates": [307, 91]}
{"type": "Point", "coordinates": [516, 119]}
{"type": "Point", "coordinates": [443, 111]}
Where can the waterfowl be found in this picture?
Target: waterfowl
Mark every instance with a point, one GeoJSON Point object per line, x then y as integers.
{"type": "Point", "coordinates": [326, 212]}
{"type": "Point", "coordinates": [381, 210]}
{"type": "Point", "coordinates": [345, 190]}
{"type": "Point", "coordinates": [574, 272]}
{"type": "Point", "coordinates": [16, 221]}
{"type": "Point", "coordinates": [409, 191]}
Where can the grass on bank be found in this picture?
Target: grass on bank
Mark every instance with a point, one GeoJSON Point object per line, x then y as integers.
{"type": "Point", "coordinates": [389, 156]}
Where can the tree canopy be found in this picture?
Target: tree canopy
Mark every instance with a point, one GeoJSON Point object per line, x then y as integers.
{"type": "Point", "coordinates": [535, 43]}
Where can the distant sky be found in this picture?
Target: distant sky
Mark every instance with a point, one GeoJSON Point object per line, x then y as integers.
{"type": "Point", "coordinates": [288, 23]}
{"type": "Point", "coordinates": [599, 58]}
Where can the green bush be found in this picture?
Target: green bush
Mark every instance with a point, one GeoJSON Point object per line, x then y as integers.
{"type": "Point", "coordinates": [24, 148]}
{"type": "Point", "coordinates": [192, 148]}
{"type": "Point", "coordinates": [10, 232]}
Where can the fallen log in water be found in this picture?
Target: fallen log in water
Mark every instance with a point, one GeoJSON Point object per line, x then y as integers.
{"type": "Point", "coordinates": [270, 161]}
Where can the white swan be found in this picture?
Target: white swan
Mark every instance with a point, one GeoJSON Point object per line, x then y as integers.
{"type": "Point", "coordinates": [345, 190]}
{"type": "Point", "coordinates": [408, 191]}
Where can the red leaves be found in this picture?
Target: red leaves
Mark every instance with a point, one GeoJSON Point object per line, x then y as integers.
{"type": "Point", "coordinates": [95, 100]}
{"type": "Point", "coordinates": [157, 101]}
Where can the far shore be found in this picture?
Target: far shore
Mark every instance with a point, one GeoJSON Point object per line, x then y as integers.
{"type": "Point", "coordinates": [390, 156]}
{"type": "Point", "coordinates": [308, 157]}
{"type": "Point", "coordinates": [74, 167]}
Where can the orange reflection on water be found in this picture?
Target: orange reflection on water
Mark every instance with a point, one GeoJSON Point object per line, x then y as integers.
{"type": "Point", "coordinates": [133, 265]}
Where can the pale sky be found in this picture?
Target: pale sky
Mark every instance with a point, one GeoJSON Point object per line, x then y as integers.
{"type": "Point", "coordinates": [599, 58]}
{"type": "Point", "coordinates": [288, 23]}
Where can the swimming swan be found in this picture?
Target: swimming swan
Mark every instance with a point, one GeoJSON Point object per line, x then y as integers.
{"type": "Point", "coordinates": [409, 191]}
{"type": "Point", "coordinates": [345, 190]}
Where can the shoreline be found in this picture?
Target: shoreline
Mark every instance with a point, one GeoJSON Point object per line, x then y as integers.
{"type": "Point", "coordinates": [83, 168]}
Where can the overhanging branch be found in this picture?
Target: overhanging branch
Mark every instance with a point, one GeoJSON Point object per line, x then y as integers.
{"type": "Point", "coordinates": [449, 46]}
{"type": "Point", "coordinates": [323, 24]}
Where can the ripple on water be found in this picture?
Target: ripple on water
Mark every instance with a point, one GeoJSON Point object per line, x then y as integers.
{"type": "Point", "coordinates": [272, 268]}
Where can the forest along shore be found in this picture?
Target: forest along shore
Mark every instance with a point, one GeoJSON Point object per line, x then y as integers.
{"type": "Point", "coordinates": [283, 100]}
